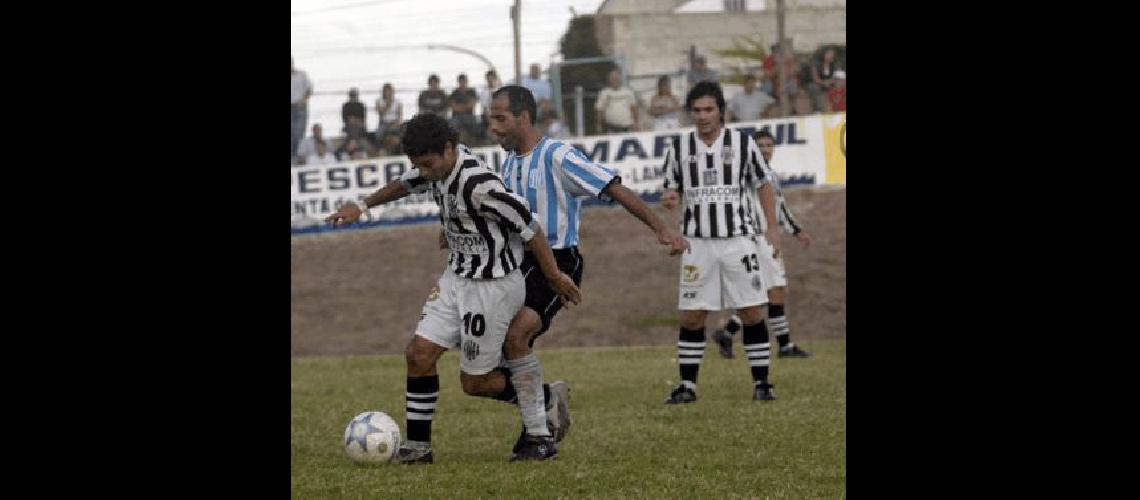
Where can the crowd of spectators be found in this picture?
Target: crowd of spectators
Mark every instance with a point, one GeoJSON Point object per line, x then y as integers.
{"type": "Point", "coordinates": [814, 86]}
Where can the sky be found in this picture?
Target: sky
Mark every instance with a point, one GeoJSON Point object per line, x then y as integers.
{"type": "Point", "coordinates": [363, 44]}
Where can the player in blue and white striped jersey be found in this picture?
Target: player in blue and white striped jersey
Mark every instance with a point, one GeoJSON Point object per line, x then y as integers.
{"type": "Point", "coordinates": [481, 292]}
{"type": "Point", "coordinates": [773, 265]}
{"type": "Point", "coordinates": [554, 177]}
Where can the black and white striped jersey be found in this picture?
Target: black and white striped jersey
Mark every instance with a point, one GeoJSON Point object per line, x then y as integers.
{"type": "Point", "coordinates": [485, 224]}
{"type": "Point", "coordinates": [717, 184]}
{"type": "Point", "coordinates": [783, 213]}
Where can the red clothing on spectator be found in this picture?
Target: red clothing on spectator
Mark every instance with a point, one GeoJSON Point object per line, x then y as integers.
{"type": "Point", "coordinates": [838, 98]}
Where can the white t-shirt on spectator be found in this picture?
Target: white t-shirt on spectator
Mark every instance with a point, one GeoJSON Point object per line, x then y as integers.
{"type": "Point", "coordinates": [539, 87]}
{"type": "Point", "coordinates": [747, 107]}
{"type": "Point", "coordinates": [393, 113]}
{"type": "Point", "coordinates": [615, 104]}
{"type": "Point", "coordinates": [300, 86]}
{"type": "Point", "coordinates": [313, 159]}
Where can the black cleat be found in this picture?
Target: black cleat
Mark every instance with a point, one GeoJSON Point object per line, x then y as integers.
{"type": "Point", "coordinates": [413, 456]}
{"type": "Point", "coordinates": [681, 394]}
{"type": "Point", "coordinates": [792, 351]}
{"type": "Point", "coordinates": [763, 392]}
{"type": "Point", "coordinates": [558, 410]}
{"type": "Point", "coordinates": [535, 448]}
{"type": "Point", "coordinates": [724, 342]}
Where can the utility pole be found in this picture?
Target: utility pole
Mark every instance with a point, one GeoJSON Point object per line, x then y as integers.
{"type": "Point", "coordinates": [516, 18]}
{"type": "Point", "coordinates": [781, 72]}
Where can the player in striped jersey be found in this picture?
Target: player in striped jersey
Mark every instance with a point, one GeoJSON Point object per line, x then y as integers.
{"type": "Point", "coordinates": [773, 266]}
{"type": "Point", "coordinates": [486, 227]}
{"type": "Point", "coordinates": [554, 177]}
{"type": "Point", "coordinates": [713, 169]}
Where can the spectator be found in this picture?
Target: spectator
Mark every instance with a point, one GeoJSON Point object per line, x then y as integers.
{"type": "Point", "coordinates": [616, 107]}
{"type": "Point", "coordinates": [543, 92]}
{"type": "Point", "coordinates": [701, 72]}
{"type": "Point", "coordinates": [301, 91]}
{"type": "Point", "coordinates": [749, 104]}
{"type": "Point", "coordinates": [552, 126]}
{"type": "Point", "coordinates": [823, 77]}
{"type": "Point", "coordinates": [308, 146]}
{"type": "Point", "coordinates": [352, 113]}
{"type": "Point", "coordinates": [771, 77]}
{"type": "Point", "coordinates": [801, 103]}
{"type": "Point", "coordinates": [390, 143]}
{"type": "Point", "coordinates": [353, 148]}
{"type": "Point", "coordinates": [462, 102]}
{"type": "Point", "coordinates": [433, 100]}
{"type": "Point", "coordinates": [389, 110]}
{"type": "Point", "coordinates": [664, 106]}
{"type": "Point", "coordinates": [321, 155]}
{"type": "Point", "coordinates": [485, 101]}
{"type": "Point", "coordinates": [837, 96]}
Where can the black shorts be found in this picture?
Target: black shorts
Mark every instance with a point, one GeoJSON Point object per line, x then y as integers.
{"type": "Point", "coordinates": [539, 296]}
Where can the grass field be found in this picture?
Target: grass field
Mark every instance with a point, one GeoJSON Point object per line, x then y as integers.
{"type": "Point", "coordinates": [624, 442]}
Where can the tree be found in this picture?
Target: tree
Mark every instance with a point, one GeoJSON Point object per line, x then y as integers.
{"type": "Point", "coordinates": [579, 42]}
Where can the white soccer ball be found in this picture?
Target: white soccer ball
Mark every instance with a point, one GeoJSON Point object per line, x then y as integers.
{"type": "Point", "coordinates": [372, 436]}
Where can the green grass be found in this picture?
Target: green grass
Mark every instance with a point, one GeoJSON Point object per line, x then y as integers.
{"type": "Point", "coordinates": [624, 442]}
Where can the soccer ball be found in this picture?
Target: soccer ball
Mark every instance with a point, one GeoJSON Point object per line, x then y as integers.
{"type": "Point", "coordinates": [372, 436]}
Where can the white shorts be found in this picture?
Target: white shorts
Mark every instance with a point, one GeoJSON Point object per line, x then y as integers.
{"type": "Point", "coordinates": [772, 267]}
{"type": "Point", "coordinates": [472, 315]}
{"type": "Point", "coordinates": [721, 273]}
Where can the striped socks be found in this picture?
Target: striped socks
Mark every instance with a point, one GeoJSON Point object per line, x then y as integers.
{"type": "Point", "coordinates": [779, 324]}
{"type": "Point", "coordinates": [420, 407]}
{"type": "Point", "coordinates": [758, 348]}
{"type": "Point", "coordinates": [690, 350]}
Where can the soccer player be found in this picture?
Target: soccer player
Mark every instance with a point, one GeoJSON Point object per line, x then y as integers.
{"type": "Point", "coordinates": [773, 266]}
{"type": "Point", "coordinates": [486, 227]}
{"type": "Point", "coordinates": [713, 169]}
{"type": "Point", "coordinates": [554, 177]}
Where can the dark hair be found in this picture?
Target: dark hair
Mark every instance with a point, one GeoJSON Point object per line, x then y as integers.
{"type": "Point", "coordinates": [490, 72]}
{"type": "Point", "coordinates": [433, 76]}
{"type": "Point", "coordinates": [426, 133]}
{"type": "Point", "coordinates": [663, 79]}
{"type": "Point", "coordinates": [520, 99]}
{"type": "Point", "coordinates": [703, 89]}
{"type": "Point", "coordinates": [763, 133]}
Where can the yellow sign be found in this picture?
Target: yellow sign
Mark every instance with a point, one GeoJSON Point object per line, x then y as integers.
{"type": "Point", "coordinates": [835, 147]}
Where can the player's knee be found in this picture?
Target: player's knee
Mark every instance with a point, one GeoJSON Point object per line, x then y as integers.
{"type": "Point", "coordinates": [776, 295]}
{"type": "Point", "coordinates": [419, 359]}
{"type": "Point", "coordinates": [693, 320]}
{"type": "Point", "coordinates": [524, 327]}
{"type": "Point", "coordinates": [751, 315]}
{"type": "Point", "coordinates": [474, 385]}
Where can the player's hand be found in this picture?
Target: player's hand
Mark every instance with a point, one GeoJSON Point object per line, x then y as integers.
{"type": "Point", "coordinates": [670, 199]}
{"type": "Point", "coordinates": [347, 214]}
{"type": "Point", "coordinates": [674, 240]}
{"type": "Point", "coordinates": [804, 239]}
{"type": "Point", "coordinates": [773, 238]}
{"type": "Point", "coordinates": [442, 241]}
{"type": "Point", "coordinates": [564, 286]}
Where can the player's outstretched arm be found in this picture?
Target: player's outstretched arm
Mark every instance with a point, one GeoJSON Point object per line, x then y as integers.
{"type": "Point", "coordinates": [633, 204]}
{"type": "Point", "coordinates": [351, 212]}
{"type": "Point", "coordinates": [562, 284]}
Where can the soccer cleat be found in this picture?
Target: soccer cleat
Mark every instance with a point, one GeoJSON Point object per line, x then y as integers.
{"type": "Point", "coordinates": [724, 341]}
{"type": "Point", "coordinates": [535, 448]}
{"type": "Point", "coordinates": [763, 392]}
{"type": "Point", "coordinates": [681, 394]}
{"type": "Point", "coordinates": [792, 351]}
{"type": "Point", "coordinates": [413, 456]}
{"type": "Point", "coordinates": [558, 410]}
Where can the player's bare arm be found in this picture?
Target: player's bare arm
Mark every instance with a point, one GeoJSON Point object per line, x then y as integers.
{"type": "Point", "coordinates": [562, 284]}
{"type": "Point", "coordinates": [670, 199]}
{"type": "Point", "coordinates": [351, 212]}
{"type": "Point", "coordinates": [803, 238]}
{"type": "Point", "coordinates": [634, 205]}
{"type": "Point", "coordinates": [768, 203]}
